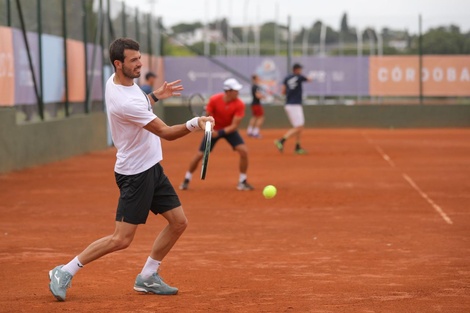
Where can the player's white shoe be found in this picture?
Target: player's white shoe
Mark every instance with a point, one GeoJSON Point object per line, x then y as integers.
{"type": "Point", "coordinates": [154, 284]}
{"type": "Point", "coordinates": [60, 281]}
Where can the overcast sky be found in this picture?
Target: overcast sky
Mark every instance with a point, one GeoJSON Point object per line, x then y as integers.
{"type": "Point", "coordinates": [395, 14]}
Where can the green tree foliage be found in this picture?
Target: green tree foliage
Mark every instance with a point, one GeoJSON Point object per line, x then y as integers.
{"type": "Point", "coordinates": [444, 40]}
{"type": "Point", "coordinates": [185, 27]}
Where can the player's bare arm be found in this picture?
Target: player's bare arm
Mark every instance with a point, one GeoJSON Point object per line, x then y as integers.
{"type": "Point", "coordinates": [162, 130]}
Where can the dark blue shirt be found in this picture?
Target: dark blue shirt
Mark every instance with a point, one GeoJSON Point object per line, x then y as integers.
{"type": "Point", "coordinates": [293, 85]}
{"type": "Point", "coordinates": [255, 100]}
{"type": "Point", "coordinates": [146, 88]}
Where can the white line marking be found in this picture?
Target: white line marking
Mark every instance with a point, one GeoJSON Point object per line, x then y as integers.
{"type": "Point", "coordinates": [410, 181]}
{"type": "Point", "coordinates": [429, 200]}
{"type": "Point", "coordinates": [385, 156]}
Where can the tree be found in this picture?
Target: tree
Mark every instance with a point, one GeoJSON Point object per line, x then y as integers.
{"type": "Point", "coordinates": [443, 40]}
{"type": "Point", "coordinates": [185, 27]}
{"type": "Point", "coordinates": [344, 28]}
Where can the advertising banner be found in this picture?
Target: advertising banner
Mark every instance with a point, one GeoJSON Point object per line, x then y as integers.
{"type": "Point", "coordinates": [53, 68]}
{"type": "Point", "coordinates": [399, 76]}
{"type": "Point", "coordinates": [445, 75]}
{"type": "Point", "coordinates": [7, 68]}
{"type": "Point", "coordinates": [95, 73]}
{"type": "Point", "coordinates": [331, 76]}
{"type": "Point", "coordinates": [76, 70]}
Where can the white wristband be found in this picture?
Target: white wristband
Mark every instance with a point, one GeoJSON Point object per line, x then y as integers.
{"type": "Point", "coordinates": [192, 124]}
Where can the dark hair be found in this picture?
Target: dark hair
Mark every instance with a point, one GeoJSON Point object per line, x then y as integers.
{"type": "Point", "coordinates": [254, 76]}
{"type": "Point", "coordinates": [117, 47]}
{"type": "Point", "coordinates": [150, 74]}
{"type": "Point", "coordinates": [296, 66]}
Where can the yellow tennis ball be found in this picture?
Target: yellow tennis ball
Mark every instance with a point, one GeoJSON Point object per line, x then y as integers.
{"type": "Point", "coordinates": [269, 191]}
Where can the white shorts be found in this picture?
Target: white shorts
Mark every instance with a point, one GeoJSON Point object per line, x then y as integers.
{"type": "Point", "coordinates": [295, 113]}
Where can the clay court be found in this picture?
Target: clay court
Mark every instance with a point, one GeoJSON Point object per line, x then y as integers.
{"type": "Point", "coordinates": [369, 221]}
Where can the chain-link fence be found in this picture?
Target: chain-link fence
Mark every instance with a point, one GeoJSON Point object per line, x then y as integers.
{"type": "Point", "coordinates": [56, 53]}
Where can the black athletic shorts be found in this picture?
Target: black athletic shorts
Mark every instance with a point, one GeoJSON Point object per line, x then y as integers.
{"type": "Point", "coordinates": [144, 192]}
{"type": "Point", "coordinates": [234, 139]}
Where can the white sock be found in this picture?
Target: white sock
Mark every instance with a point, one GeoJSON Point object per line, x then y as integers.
{"type": "Point", "coordinates": [73, 266]}
{"type": "Point", "coordinates": [188, 176]}
{"type": "Point", "coordinates": [150, 267]}
{"type": "Point", "coordinates": [249, 130]}
{"type": "Point", "coordinates": [242, 177]}
{"type": "Point", "coordinates": [255, 131]}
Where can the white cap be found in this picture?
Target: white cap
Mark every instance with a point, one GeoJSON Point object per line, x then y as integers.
{"type": "Point", "coordinates": [232, 84]}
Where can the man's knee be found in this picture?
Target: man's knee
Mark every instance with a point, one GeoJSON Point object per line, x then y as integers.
{"type": "Point", "coordinates": [242, 150]}
{"type": "Point", "coordinates": [120, 243]}
{"type": "Point", "coordinates": [179, 225]}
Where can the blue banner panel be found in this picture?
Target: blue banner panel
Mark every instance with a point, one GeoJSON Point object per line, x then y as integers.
{"type": "Point", "coordinates": [53, 68]}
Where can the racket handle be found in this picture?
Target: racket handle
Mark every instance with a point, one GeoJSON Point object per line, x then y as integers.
{"type": "Point", "coordinates": [208, 126]}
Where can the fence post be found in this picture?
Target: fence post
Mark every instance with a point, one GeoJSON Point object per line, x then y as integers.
{"type": "Point", "coordinates": [420, 49]}
{"type": "Point", "coordinates": [64, 34]}
{"type": "Point", "coordinates": [41, 78]}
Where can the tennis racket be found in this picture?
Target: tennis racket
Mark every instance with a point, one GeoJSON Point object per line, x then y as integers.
{"type": "Point", "coordinates": [207, 149]}
{"type": "Point", "coordinates": [197, 105]}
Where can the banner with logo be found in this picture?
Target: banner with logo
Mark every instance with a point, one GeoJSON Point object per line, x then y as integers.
{"type": "Point", "coordinates": [442, 75]}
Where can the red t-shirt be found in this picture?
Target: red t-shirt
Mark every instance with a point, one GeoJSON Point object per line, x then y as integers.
{"type": "Point", "coordinates": [223, 112]}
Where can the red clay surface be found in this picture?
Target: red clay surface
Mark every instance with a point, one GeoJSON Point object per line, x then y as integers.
{"type": "Point", "coordinates": [368, 221]}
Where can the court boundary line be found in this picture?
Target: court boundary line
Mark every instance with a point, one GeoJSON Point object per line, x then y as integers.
{"type": "Point", "coordinates": [410, 181]}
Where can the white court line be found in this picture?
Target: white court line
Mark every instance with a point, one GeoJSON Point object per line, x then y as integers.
{"type": "Point", "coordinates": [411, 182]}
{"type": "Point", "coordinates": [429, 200]}
{"type": "Point", "coordinates": [385, 156]}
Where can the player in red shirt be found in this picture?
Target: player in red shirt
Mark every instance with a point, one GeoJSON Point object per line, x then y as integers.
{"type": "Point", "coordinates": [228, 111]}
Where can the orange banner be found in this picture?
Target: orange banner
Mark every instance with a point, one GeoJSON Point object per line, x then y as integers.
{"type": "Point", "coordinates": [7, 68]}
{"type": "Point", "coordinates": [446, 75]}
{"type": "Point", "coordinates": [76, 70]}
{"type": "Point", "coordinates": [399, 75]}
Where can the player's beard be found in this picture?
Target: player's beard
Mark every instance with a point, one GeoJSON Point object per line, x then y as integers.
{"type": "Point", "coordinates": [127, 72]}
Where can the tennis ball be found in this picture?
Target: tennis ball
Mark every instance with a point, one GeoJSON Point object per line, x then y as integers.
{"type": "Point", "coordinates": [269, 191]}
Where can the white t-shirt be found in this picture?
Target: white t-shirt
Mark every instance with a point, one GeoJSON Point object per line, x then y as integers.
{"type": "Point", "coordinates": [129, 110]}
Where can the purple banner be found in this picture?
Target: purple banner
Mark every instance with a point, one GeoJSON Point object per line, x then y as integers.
{"type": "Point", "coordinates": [24, 84]}
{"type": "Point", "coordinates": [336, 76]}
{"type": "Point", "coordinates": [94, 71]}
{"type": "Point", "coordinates": [332, 76]}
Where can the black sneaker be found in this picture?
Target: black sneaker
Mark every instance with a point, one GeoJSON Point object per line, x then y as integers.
{"type": "Point", "coordinates": [185, 184]}
{"type": "Point", "coordinates": [244, 186]}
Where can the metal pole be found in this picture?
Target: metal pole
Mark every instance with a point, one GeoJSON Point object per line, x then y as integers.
{"type": "Point", "coordinates": [206, 30]}
{"type": "Point", "coordinates": [420, 49]}
{"type": "Point", "coordinates": [98, 41]}
{"type": "Point", "coordinates": [124, 23]}
{"type": "Point", "coordinates": [276, 30]}
{"type": "Point", "coordinates": [136, 18]}
{"type": "Point", "coordinates": [30, 60]}
{"type": "Point", "coordinates": [359, 57]}
{"type": "Point", "coordinates": [8, 13]}
{"type": "Point", "coordinates": [85, 42]}
{"type": "Point", "coordinates": [245, 28]}
{"type": "Point", "coordinates": [289, 44]}
{"type": "Point", "coordinates": [64, 34]}
{"type": "Point", "coordinates": [159, 37]}
{"type": "Point", "coordinates": [41, 80]}
{"type": "Point", "coordinates": [323, 40]}
{"type": "Point", "coordinates": [149, 39]}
